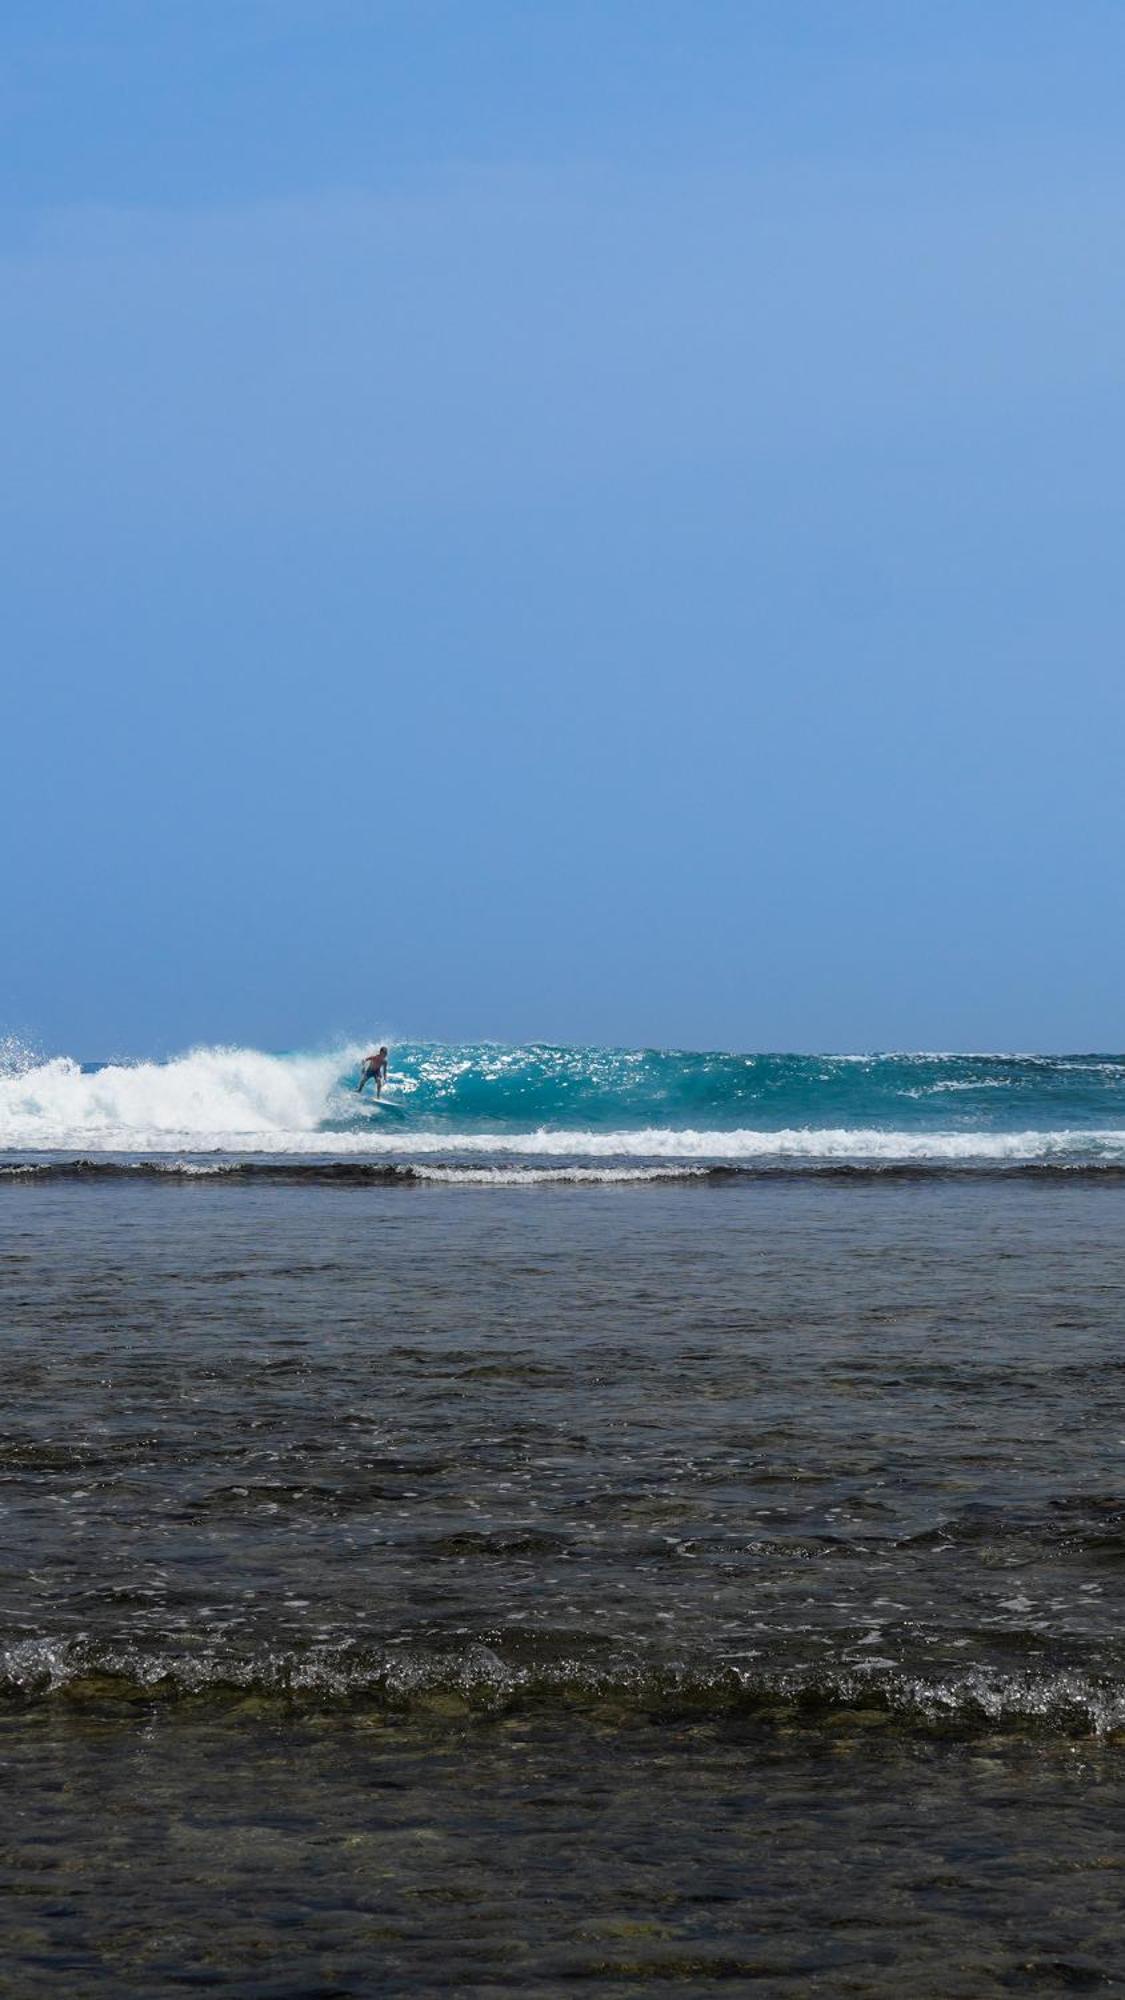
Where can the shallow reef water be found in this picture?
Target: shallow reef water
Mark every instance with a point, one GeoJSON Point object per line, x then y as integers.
{"type": "Point", "coordinates": [425, 1585]}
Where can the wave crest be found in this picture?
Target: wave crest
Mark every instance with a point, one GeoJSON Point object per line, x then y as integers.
{"type": "Point", "coordinates": [207, 1098]}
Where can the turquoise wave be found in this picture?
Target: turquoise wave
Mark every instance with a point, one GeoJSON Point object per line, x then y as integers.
{"type": "Point", "coordinates": [481, 1086]}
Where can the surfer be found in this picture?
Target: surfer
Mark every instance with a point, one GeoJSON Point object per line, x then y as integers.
{"type": "Point", "coordinates": [374, 1066]}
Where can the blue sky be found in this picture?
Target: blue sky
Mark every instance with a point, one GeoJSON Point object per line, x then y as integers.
{"type": "Point", "coordinates": [577, 521]}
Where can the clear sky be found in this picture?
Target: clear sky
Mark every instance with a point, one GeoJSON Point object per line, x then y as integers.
{"type": "Point", "coordinates": [576, 519]}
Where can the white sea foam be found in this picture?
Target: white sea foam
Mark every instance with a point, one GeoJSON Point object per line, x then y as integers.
{"type": "Point", "coordinates": [205, 1100]}
{"type": "Point", "coordinates": [798, 1144]}
{"type": "Point", "coordinates": [531, 1176]}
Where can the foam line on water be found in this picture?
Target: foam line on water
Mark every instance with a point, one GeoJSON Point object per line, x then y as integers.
{"type": "Point", "coordinates": [650, 1144]}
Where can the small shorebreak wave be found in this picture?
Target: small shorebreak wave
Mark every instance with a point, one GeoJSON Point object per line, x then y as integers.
{"type": "Point", "coordinates": [479, 1679]}
{"type": "Point", "coordinates": [453, 1174]}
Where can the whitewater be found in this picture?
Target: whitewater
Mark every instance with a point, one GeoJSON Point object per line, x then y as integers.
{"type": "Point", "coordinates": [501, 1105]}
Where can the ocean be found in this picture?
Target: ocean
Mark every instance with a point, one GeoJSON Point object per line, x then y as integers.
{"type": "Point", "coordinates": [629, 1521]}
{"type": "Point", "coordinates": [576, 1105]}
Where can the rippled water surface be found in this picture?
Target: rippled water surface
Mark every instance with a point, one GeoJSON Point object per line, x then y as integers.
{"type": "Point", "coordinates": [409, 1584]}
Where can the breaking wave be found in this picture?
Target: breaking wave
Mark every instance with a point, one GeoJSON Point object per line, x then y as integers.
{"type": "Point", "coordinates": [591, 1112]}
{"type": "Point", "coordinates": [479, 1678]}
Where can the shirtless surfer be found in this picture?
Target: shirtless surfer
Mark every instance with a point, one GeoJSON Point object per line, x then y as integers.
{"type": "Point", "coordinates": [374, 1066]}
